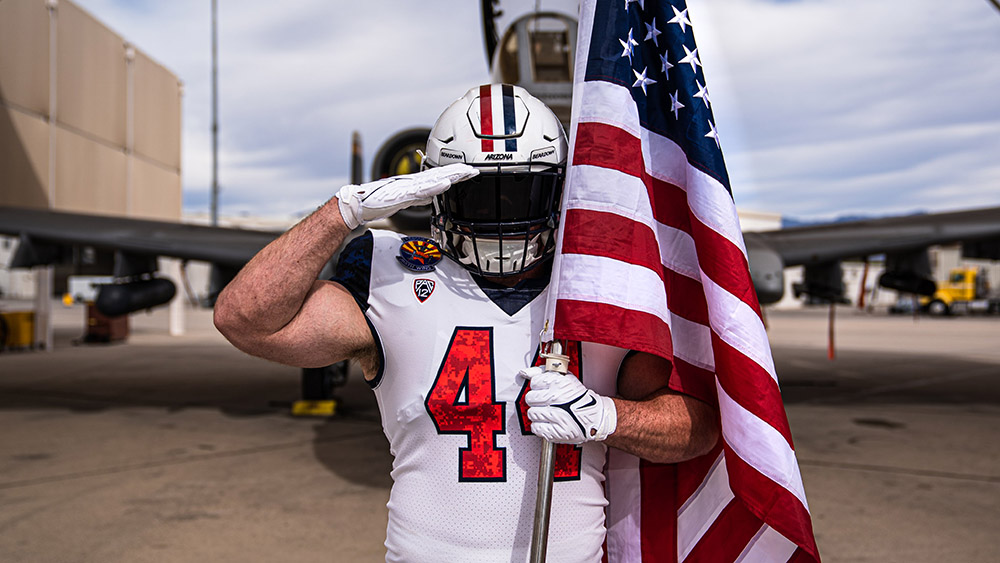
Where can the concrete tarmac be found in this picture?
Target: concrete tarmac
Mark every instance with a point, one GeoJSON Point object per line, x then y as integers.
{"type": "Point", "coordinates": [182, 449]}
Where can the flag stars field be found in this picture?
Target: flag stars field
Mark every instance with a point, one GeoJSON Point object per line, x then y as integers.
{"type": "Point", "coordinates": [678, 46]}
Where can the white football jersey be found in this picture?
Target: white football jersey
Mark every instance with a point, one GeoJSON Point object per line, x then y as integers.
{"type": "Point", "coordinates": [465, 466]}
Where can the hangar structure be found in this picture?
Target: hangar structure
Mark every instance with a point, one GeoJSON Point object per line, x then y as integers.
{"type": "Point", "coordinates": [88, 123]}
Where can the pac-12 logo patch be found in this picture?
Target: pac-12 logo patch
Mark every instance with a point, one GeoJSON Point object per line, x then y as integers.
{"type": "Point", "coordinates": [423, 288]}
{"type": "Point", "coordinates": [419, 254]}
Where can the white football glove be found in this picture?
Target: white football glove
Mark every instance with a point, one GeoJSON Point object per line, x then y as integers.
{"type": "Point", "coordinates": [563, 411]}
{"type": "Point", "coordinates": [382, 198]}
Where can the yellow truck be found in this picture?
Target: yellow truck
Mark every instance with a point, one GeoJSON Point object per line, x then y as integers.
{"type": "Point", "coordinates": [966, 290]}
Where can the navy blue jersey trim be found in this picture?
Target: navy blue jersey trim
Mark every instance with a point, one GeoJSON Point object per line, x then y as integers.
{"type": "Point", "coordinates": [512, 299]}
{"type": "Point", "coordinates": [354, 268]}
{"type": "Point", "coordinates": [354, 272]}
{"type": "Point", "coordinates": [374, 383]}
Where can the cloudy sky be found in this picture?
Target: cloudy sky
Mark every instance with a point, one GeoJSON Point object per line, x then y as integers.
{"type": "Point", "coordinates": [824, 107]}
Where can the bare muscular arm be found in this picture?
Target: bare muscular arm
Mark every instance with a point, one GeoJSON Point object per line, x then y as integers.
{"type": "Point", "coordinates": [276, 309]}
{"type": "Point", "coordinates": [656, 423]}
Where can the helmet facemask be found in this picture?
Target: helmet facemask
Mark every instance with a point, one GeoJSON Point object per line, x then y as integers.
{"type": "Point", "coordinates": [502, 222]}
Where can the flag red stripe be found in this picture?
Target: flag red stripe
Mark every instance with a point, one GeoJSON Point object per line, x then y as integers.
{"type": "Point", "coordinates": [606, 234]}
{"type": "Point", "coordinates": [751, 386]}
{"type": "Point", "coordinates": [658, 539]}
{"type": "Point", "coordinates": [623, 152]}
{"type": "Point", "coordinates": [728, 535]}
{"type": "Point", "coordinates": [695, 381]}
{"type": "Point", "coordinates": [771, 502]}
{"type": "Point", "coordinates": [607, 146]}
{"type": "Point", "coordinates": [597, 233]}
{"type": "Point", "coordinates": [625, 328]}
{"type": "Point", "coordinates": [695, 472]}
{"type": "Point", "coordinates": [725, 264]}
{"type": "Point", "coordinates": [486, 115]}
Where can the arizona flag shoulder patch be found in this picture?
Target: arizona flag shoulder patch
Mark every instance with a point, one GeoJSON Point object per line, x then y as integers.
{"type": "Point", "coordinates": [419, 254]}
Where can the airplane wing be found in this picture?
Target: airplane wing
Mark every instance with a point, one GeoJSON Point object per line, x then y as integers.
{"type": "Point", "coordinates": [903, 240]}
{"type": "Point", "coordinates": [218, 245]}
{"type": "Point", "coordinates": [819, 248]}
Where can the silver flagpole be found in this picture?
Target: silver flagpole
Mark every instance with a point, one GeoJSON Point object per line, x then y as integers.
{"type": "Point", "coordinates": [554, 361]}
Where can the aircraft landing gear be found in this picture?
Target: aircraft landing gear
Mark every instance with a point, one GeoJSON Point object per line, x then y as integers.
{"type": "Point", "coordinates": [318, 385]}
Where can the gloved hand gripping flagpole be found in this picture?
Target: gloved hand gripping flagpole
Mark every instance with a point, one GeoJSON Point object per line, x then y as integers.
{"type": "Point", "coordinates": [554, 361]}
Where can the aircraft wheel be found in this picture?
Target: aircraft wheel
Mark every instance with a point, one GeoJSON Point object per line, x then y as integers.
{"type": "Point", "coordinates": [398, 155]}
{"type": "Point", "coordinates": [938, 308]}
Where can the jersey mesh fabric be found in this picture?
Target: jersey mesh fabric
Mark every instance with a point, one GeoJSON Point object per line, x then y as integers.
{"type": "Point", "coordinates": [448, 384]}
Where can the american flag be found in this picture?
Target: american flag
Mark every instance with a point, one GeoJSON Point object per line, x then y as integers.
{"type": "Point", "coordinates": [651, 258]}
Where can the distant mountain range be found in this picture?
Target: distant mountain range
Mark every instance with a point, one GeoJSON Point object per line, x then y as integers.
{"type": "Point", "coordinates": [787, 222]}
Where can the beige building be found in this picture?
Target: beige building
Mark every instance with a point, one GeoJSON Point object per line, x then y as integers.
{"type": "Point", "coordinates": [88, 122]}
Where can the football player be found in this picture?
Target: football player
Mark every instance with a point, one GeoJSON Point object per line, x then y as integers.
{"type": "Point", "coordinates": [446, 331]}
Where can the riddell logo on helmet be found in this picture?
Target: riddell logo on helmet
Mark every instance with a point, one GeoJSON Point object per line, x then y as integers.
{"type": "Point", "coordinates": [452, 155]}
{"type": "Point", "coordinates": [499, 156]}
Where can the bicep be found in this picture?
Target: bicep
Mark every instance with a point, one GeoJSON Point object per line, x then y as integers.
{"type": "Point", "coordinates": [643, 375]}
{"type": "Point", "coordinates": [645, 379]}
{"type": "Point", "coordinates": [328, 328]}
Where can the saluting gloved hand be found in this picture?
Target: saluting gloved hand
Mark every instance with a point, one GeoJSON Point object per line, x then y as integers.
{"type": "Point", "coordinates": [563, 411]}
{"type": "Point", "coordinates": [382, 198]}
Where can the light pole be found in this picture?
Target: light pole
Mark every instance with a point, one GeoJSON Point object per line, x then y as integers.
{"type": "Point", "coordinates": [215, 116]}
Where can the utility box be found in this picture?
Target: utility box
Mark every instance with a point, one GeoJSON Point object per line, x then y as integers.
{"type": "Point", "coordinates": [17, 329]}
{"type": "Point", "coordinates": [102, 328]}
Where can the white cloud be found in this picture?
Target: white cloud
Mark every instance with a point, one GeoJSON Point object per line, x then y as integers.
{"type": "Point", "coordinates": [857, 106]}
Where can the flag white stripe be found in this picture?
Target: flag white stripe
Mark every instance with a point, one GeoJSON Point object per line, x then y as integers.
{"type": "Point", "coordinates": [760, 445]}
{"type": "Point", "coordinates": [630, 200]}
{"type": "Point", "coordinates": [607, 104]}
{"type": "Point", "coordinates": [677, 251]}
{"type": "Point", "coordinates": [767, 546]}
{"type": "Point", "coordinates": [692, 341]}
{"type": "Point", "coordinates": [704, 506]}
{"type": "Point", "coordinates": [612, 282]}
{"type": "Point", "coordinates": [738, 325]}
{"type": "Point", "coordinates": [624, 524]}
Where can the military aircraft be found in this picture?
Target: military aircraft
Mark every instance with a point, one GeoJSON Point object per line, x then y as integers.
{"type": "Point", "coordinates": [534, 51]}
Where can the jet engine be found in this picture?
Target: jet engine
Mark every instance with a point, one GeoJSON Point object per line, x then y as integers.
{"type": "Point", "coordinates": [822, 282]}
{"type": "Point", "coordinates": [767, 269]}
{"type": "Point", "coordinates": [909, 272]}
{"type": "Point", "coordinates": [118, 299]}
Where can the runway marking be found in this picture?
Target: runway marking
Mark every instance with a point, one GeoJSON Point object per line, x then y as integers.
{"type": "Point", "coordinates": [900, 470]}
{"type": "Point", "coordinates": [190, 459]}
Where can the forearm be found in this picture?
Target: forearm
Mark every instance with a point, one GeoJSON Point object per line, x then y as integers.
{"type": "Point", "coordinates": [270, 289]}
{"type": "Point", "coordinates": [665, 428]}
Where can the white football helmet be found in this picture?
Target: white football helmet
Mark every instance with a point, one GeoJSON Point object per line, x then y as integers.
{"type": "Point", "coordinates": [503, 221]}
